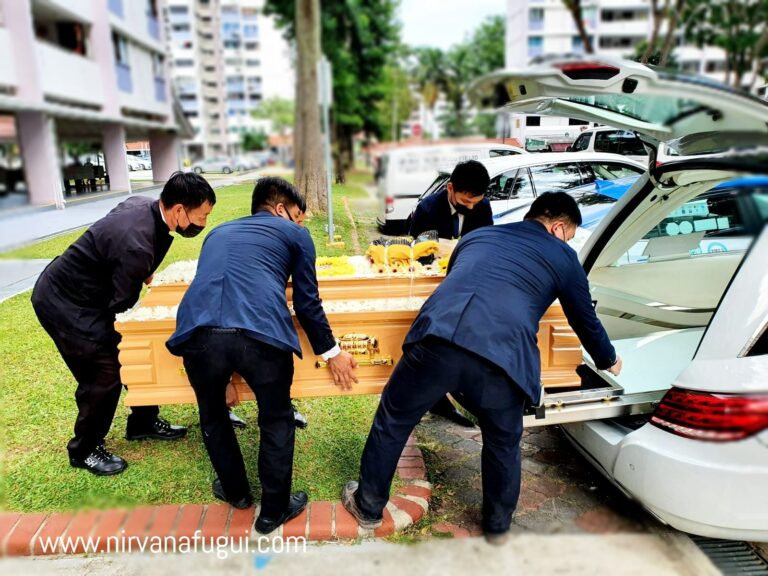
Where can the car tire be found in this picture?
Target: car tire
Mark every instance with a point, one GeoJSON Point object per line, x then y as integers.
{"type": "Point", "coordinates": [197, 170]}
{"type": "Point", "coordinates": [226, 170]}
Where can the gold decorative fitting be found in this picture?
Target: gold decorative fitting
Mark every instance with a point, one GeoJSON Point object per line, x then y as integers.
{"type": "Point", "coordinates": [364, 349]}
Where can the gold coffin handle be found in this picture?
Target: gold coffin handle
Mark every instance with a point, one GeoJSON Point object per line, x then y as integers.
{"type": "Point", "coordinates": [383, 361]}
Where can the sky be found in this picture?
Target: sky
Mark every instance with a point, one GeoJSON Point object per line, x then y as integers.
{"type": "Point", "coordinates": [442, 23]}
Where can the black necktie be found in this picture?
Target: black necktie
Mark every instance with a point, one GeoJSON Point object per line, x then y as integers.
{"type": "Point", "coordinates": [456, 225]}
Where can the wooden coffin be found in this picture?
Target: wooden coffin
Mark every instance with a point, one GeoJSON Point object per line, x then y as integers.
{"type": "Point", "coordinates": [154, 376]}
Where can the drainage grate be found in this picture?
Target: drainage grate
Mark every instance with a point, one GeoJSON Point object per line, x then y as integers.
{"type": "Point", "coordinates": [732, 557]}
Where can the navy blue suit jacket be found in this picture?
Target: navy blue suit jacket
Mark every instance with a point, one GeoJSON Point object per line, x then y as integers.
{"type": "Point", "coordinates": [500, 282]}
{"type": "Point", "coordinates": [434, 213]}
{"type": "Point", "coordinates": [241, 280]}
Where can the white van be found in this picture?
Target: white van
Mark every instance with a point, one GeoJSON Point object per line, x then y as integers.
{"type": "Point", "coordinates": [405, 173]}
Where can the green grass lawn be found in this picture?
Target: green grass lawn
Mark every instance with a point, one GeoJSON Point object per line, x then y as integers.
{"type": "Point", "coordinates": [37, 410]}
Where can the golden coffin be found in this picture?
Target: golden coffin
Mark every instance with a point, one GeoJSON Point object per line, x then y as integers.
{"type": "Point", "coordinates": [370, 316]}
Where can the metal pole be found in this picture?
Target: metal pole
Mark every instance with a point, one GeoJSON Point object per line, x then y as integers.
{"type": "Point", "coordinates": [325, 91]}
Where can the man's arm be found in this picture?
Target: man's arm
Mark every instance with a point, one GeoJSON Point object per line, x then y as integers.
{"type": "Point", "coordinates": [131, 270]}
{"type": "Point", "coordinates": [577, 305]}
{"type": "Point", "coordinates": [418, 220]}
{"type": "Point", "coordinates": [311, 316]}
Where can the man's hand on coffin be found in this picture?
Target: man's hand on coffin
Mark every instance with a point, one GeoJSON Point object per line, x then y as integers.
{"type": "Point", "coordinates": [616, 368]}
{"type": "Point", "coordinates": [233, 399]}
{"type": "Point", "coordinates": [343, 367]}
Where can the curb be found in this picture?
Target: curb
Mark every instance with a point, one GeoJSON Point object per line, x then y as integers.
{"type": "Point", "coordinates": [26, 534]}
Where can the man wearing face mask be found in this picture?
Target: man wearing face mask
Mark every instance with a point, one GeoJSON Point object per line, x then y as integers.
{"type": "Point", "coordinates": [235, 319]}
{"type": "Point", "coordinates": [100, 275]}
{"type": "Point", "coordinates": [458, 209]}
{"type": "Point", "coordinates": [454, 212]}
{"type": "Point", "coordinates": [475, 337]}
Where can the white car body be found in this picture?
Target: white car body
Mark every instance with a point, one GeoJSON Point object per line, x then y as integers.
{"type": "Point", "coordinates": [223, 165]}
{"type": "Point", "coordinates": [405, 173]}
{"type": "Point", "coordinates": [684, 428]}
{"type": "Point", "coordinates": [610, 140]}
{"type": "Point", "coordinates": [134, 163]}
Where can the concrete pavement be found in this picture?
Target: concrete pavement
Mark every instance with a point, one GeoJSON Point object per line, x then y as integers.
{"type": "Point", "coordinates": [569, 555]}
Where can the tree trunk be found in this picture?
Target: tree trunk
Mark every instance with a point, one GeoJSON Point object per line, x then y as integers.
{"type": "Point", "coordinates": [574, 6]}
{"type": "Point", "coordinates": [654, 31]}
{"type": "Point", "coordinates": [670, 40]}
{"type": "Point", "coordinates": [310, 172]}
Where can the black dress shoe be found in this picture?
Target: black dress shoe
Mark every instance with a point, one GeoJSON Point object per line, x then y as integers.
{"type": "Point", "coordinates": [299, 419]}
{"type": "Point", "coordinates": [445, 408]}
{"type": "Point", "coordinates": [236, 421]}
{"type": "Point", "coordinates": [100, 462]}
{"type": "Point", "coordinates": [296, 505]}
{"type": "Point", "coordinates": [350, 505]}
{"type": "Point", "coordinates": [160, 429]}
{"type": "Point", "coordinates": [240, 504]}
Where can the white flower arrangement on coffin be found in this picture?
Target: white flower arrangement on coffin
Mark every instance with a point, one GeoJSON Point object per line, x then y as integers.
{"type": "Point", "coordinates": [182, 272]}
{"type": "Point", "coordinates": [149, 313]}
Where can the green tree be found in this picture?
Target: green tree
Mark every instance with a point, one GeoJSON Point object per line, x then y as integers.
{"type": "Point", "coordinates": [358, 37]}
{"type": "Point", "coordinates": [254, 140]}
{"type": "Point", "coordinates": [279, 111]}
{"type": "Point", "coordinates": [644, 55]}
{"type": "Point", "coordinates": [396, 105]}
{"type": "Point", "coordinates": [739, 27]}
{"type": "Point", "coordinates": [428, 72]}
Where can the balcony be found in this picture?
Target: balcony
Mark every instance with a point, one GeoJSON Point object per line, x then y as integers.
{"type": "Point", "coordinates": [124, 81]}
{"type": "Point", "coordinates": [116, 8]}
{"type": "Point", "coordinates": [68, 76]}
{"type": "Point", "coordinates": [161, 94]}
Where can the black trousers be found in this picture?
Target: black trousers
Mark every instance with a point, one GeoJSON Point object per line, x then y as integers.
{"type": "Point", "coordinates": [426, 372]}
{"type": "Point", "coordinates": [96, 369]}
{"type": "Point", "coordinates": [211, 356]}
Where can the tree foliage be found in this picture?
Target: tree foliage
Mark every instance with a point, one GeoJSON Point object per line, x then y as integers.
{"type": "Point", "coordinates": [279, 111]}
{"type": "Point", "coordinates": [739, 27]}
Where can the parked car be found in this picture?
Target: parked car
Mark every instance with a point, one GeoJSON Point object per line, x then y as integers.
{"type": "Point", "coordinates": [246, 162]}
{"type": "Point", "coordinates": [684, 429]}
{"type": "Point", "coordinates": [134, 163]}
{"type": "Point", "coordinates": [219, 164]}
{"type": "Point", "coordinates": [610, 140]}
{"type": "Point", "coordinates": [517, 180]}
{"type": "Point", "coordinates": [404, 173]}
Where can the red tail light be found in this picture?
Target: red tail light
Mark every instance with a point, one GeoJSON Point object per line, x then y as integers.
{"type": "Point", "coordinates": [389, 204]}
{"type": "Point", "coordinates": [587, 70]}
{"type": "Point", "coordinates": [711, 417]}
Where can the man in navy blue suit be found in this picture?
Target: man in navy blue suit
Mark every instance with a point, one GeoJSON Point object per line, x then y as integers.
{"type": "Point", "coordinates": [457, 209]}
{"type": "Point", "coordinates": [234, 318]}
{"type": "Point", "coordinates": [476, 337]}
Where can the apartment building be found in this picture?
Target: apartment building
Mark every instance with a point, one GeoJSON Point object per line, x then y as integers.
{"type": "Point", "coordinates": [226, 57]}
{"type": "Point", "coordinates": [80, 74]}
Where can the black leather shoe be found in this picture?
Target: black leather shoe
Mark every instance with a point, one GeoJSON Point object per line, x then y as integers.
{"type": "Point", "coordinates": [100, 462]}
{"type": "Point", "coordinates": [350, 505]}
{"type": "Point", "coordinates": [241, 504]}
{"type": "Point", "coordinates": [444, 408]}
{"type": "Point", "coordinates": [160, 429]}
{"type": "Point", "coordinates": [236, 421]}
{"type": "Point", "coordinates": [299, 419]}
{"type": "Point", "coordinates": [296, 505]}
{"type": "Point", "coordinates": [498, 538]}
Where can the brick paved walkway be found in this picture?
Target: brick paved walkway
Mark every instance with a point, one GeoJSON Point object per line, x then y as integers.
{"type": "Point", "coordinates": [26, 534]}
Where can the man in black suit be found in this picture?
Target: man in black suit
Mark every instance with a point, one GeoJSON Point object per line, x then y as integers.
{"type": "Point", "coordinates": [457, 209]}
{"type": "Point", "coordinates": [476, 337]}
{"type": "Point", "coordinates": [454, 212]}
{"type": "Point", "coordinates": [101, 274]}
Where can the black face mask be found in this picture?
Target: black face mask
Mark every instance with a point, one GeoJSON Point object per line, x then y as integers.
{"type": "Point", "coordinates": [461, 209]}
{"type": "Point", "coordinates": [191, 230]}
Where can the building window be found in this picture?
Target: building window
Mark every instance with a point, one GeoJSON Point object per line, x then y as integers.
{"type": "Point", "coordinates": [181, 10]}
{"type": "Point", "coordinates": [120, 45]}
{"type": "Point", "coordinates": [577, 122]}
{"type": "Point", "coordinates": [251, 45]}
{"type": "Point", "coordinates": [184, 63]}
{"type": "Point", "coordinates": [533, 120]}
{"type": "Point", "coordinates": [623, 42]}
{"type": "Point", "coordinates": [536, 19]}
{"type": "Point", "coordinates": [232, 44]}
{"type": "Point", "coordinates": [252, 62]}
{"type": "Point", "coordinates": [714, 66]}
{"type": "Point", "coordinates": [619, 15]}
{"type": "Point", "coordinates": [535, 46]}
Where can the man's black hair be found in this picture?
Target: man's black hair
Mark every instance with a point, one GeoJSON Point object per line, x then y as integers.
{"type": "Point", "coordinates": [271, 191]}
{"type": "Point", "coordinates": [555, 206]}
{"type": "Point", "coordinates": [188, 189]}
{"type": "Point", "coordinates": [470, 177]}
